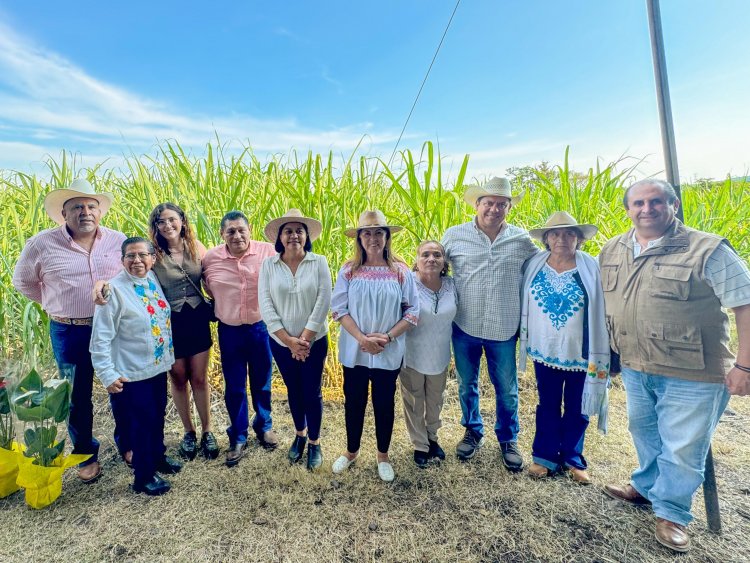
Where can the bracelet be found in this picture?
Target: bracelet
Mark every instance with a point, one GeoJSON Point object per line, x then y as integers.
{"type": "Point", "coordinates": [392, 339]}
{"type": "Point", "coordinates": [742, 368]}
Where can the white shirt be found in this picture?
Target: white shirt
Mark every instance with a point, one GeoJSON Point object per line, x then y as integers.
{"type": "Point", "coordinates": [428, 345]}
{"type": "Point", "coordinates": [295, 302]}
{"type": "Point", "coordinates": [725, 272]}
{"type": "Point", "coordinates": [556, 313]}
{"type": "Point", "coordinates": [132, 334]}
{"type": "Point", "coordinates": [488, 278]}
{"type": "Point", "coordinates": [376, 298]}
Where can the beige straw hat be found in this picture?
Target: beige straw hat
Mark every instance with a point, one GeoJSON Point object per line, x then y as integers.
{"type": "Point", "coordinates": [499, 187]}
{"type": "Point", "coordinates": [53, 203]}
{"type": "Point", "coordinates": [372, 219]}
{"type": "Point", "coordinates": [314, 227]}
{"type": "Point", "coordinates": [563, 220]}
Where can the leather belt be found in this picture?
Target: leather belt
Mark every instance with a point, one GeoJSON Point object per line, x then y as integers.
{"type": "Point", "coordinates": [85, 321]}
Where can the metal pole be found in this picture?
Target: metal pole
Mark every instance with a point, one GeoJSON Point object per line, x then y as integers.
{"type": "Point", "coordinates": [710, 492]}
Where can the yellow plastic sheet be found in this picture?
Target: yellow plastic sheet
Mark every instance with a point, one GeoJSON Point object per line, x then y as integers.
{"type": "Point", "coordinates": [9, 470]}
{"type": "Point", "coordinates": [44, 484]}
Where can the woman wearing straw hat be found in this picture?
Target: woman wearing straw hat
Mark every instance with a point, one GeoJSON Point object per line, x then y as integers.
{"type": "Point", "coordinates": [294, 294]}
{"type": "Point", "coordinates": [376, 302]}
{"type": "Point", "coordinates": [564, 332]}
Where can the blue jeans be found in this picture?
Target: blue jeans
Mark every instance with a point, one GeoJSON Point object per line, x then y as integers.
{"type": "Point", "coordinates": [559, 439]}
{"type": "Point", "coordinates": [245, 349]}
{"type": "Point", "coordinates": [139, 419]}
{"type": "Point", "coordinates": [70, 345]}
{"type": "Point", "coordinates": [501, 365]}
{"type": "Point", "coordinates": [672, 421]}
{"type": "Point", "coordinates": [303, 382]}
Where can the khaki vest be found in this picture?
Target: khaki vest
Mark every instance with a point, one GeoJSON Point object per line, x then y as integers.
{"type": "Point", "coordinates": [662, 316]}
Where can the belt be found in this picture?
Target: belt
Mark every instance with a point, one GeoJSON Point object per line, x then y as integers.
{"type": "Point", "coordinates": [85, 321]}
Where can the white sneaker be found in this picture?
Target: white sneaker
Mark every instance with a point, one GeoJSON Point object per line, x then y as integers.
{"type": "Point", "coordinates": [385, 470]}
{"type": "Point", "coordinates": [341, 464]}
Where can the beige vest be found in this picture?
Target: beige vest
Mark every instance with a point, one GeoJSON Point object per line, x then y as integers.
{"type": "Point", "coordinates": [662, 316]}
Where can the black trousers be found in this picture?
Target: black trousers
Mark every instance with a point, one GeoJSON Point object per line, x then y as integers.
{"type": "Point", "coordinates": [357, 381]}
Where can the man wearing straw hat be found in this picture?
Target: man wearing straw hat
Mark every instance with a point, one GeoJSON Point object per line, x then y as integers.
{"type": "Point", "coordinates": [665, 287]}
{"type": "Point", "coordinates": [58, 268]}
{"type": "Point", "coordinates": [487, 255]}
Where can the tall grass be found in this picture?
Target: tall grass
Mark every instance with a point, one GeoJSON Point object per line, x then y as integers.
{"type": "Point", "coordinates": [412, 193]}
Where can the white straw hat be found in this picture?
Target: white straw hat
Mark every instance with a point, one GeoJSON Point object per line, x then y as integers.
{"type": "Point", "coordinates": [372, 219]}
{"type": "Point", "coordinates": [314, 227]}
{"type": "Point", "coordinates": [53, 203]}
{"type": "Point", "coordinates": [563, 220]}
{"type": "Point", "coordinates": [499, 187]}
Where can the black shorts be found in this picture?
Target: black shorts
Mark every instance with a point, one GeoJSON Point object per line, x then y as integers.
{"type": "Point", "coordinates": [191, 331]}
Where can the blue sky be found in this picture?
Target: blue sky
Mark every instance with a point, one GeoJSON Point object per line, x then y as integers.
{"type": "Point", "coordinates": [514, 83]}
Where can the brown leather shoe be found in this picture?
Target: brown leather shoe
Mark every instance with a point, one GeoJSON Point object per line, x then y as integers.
{"type": "Point", "coordinates": [90, 473]}
{"type": "Point", "coordinates": [235, 454]}
{"type": "Point", "coordinates": [580, 476]}
{"type": "Point", "coordinates": [269, 440]}
{"type": "Point", "coordinates": [537, 471]}
{"type": "Point", "coordinates": [626, 493]}
{"type": "Point", "coordinates": [672, 535]}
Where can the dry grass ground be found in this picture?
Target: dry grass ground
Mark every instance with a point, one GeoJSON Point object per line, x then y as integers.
{"type": "Point", "coordinates": [263, 510]}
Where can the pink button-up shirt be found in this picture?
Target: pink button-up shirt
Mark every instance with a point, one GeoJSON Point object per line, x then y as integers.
{"type": "Point", "coordinates": [233, 282]}
{"type": "Point", "coordinates": [58, 273]}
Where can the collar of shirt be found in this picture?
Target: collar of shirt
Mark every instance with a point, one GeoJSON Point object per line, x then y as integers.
{"type": "Point", "coordinates": [277, 258]}
{"type": "Point", "coordinates": [480, 232]}
{"type": "Point", "coordinates": [69, 237]}
{"type": "Point", "coordinates": [637, 248]}
{"type": "Point", "coordinates": [252, 248]}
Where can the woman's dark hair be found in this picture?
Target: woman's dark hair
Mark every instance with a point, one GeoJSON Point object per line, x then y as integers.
{"type": "Point", "coordinates": [446, 266]}
{"type": "Point", "coordinates": [307, 247]}
{"type": "Point", "coordinates": [135, 240]}
{"type": "Point", "coordinates": [186, 232]}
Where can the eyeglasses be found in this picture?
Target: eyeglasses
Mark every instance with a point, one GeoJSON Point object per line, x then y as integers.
{"type": "Point", "coordinates": [170, 220]}
{"type": "Point", "coordinates": [142, 255]}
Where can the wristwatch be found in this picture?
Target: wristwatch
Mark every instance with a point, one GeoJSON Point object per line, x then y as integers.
{"type": "Point", "coordinates": [390, 336]}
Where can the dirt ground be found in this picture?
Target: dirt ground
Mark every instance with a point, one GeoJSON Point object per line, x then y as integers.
{"type": "Point", "coordinates": [265, 510]}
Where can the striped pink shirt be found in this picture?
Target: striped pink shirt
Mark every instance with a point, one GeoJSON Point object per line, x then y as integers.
{"type": "Point", "coordinates": [58, 273]}
{"type": "Point", "coordinates": [233, 282]}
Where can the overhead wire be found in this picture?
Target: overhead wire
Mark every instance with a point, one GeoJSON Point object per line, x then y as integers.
{"type": "Point", "coordinates": [416, 99]}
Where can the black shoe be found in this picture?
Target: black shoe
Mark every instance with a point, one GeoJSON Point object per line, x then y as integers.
{"type": "Point", "coordinates": [297, 449]}
{"type": "Point", "coordinates": [467, 448]}
{"type": "Point", "coordinates": [314, 456]}
{"type": "Point", "coordinates": [512, 459]}
{"type": "Point", "coordinates": [435, 451]}
{"type": "Point", "coordinates": [188, 447]}
{"type": "Point", "coordinates": [209, 447]}
{"type": "Point", "coordinates": [153, 487]}
{"type": "Point", "coordinates": [169, 466]}
{"type": "Point", "coordinates": [422, 459]}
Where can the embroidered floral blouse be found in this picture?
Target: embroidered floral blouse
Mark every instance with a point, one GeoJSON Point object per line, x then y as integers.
{"type": "Point", "coordinates": [556, 314]}
{"type": "Point", "coordinates": [132, 334]}
{"type": "Point", "coordinates": [377, 298]}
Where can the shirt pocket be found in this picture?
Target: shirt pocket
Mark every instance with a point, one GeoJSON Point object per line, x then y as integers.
{"type": "Point", "coordinates": [674, 345]}
{"type": "Point", "coordinates": [671, 281]}
{"type": "Point", "coordinates": [609, 277]}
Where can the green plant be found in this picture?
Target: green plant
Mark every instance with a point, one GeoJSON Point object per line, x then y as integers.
{"type": "Point", "coordinates": [42, 405]}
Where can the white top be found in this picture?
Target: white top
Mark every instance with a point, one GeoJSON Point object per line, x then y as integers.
{"type": "Point", "coordinates": [428, 345]}
{"type": "Point", "coordinates": [725, 272]}
{"type": "Point", "coordinates": [376, 298]}
{"type": "Point", "coordinates": [556, 312]}
{"type": "Point", "coordinates": [132, 334]}
{"type": "Point", "coordinates": [488, 278]}
{"type": "Point", "coordinates": [295, 302]}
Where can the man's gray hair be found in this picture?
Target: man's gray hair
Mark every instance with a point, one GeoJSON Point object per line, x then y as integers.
{"type": "Point", "coordinates": [667, 189]}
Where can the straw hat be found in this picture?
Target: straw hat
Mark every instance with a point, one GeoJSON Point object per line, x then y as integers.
{"type": "Point", "coordinates": [53, 203]}
{"type": "Point", "coordinates": [372, 219]}
{"type": "Point", "coordinates": [499, 187]}
{"type": "Point", "coordinates": [314, 227]}
{"type": "Point", "coordinates": [563, 220]}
